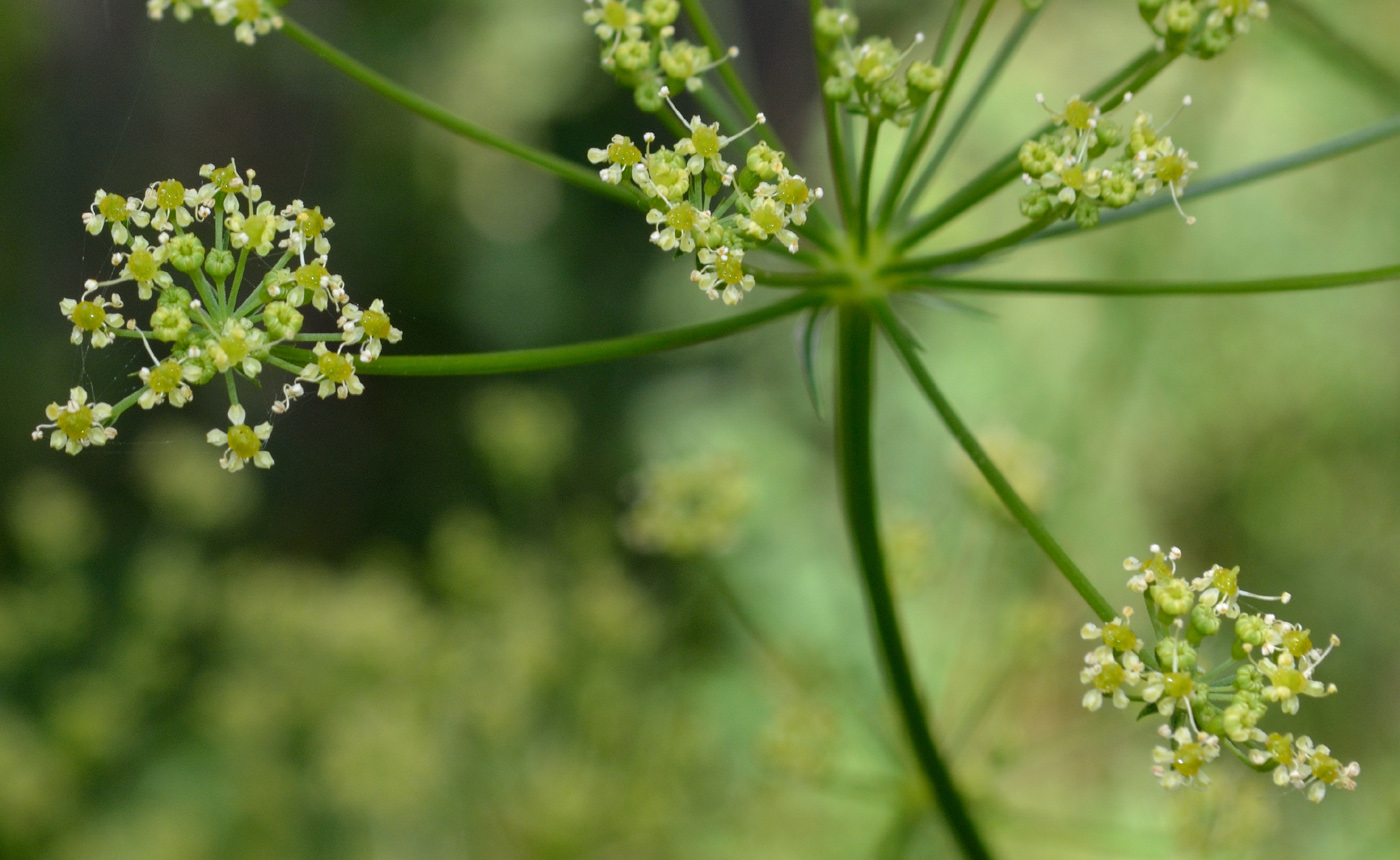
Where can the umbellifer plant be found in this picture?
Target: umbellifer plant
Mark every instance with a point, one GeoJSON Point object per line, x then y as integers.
{"type": "Point", "coordinates": [712, 184]}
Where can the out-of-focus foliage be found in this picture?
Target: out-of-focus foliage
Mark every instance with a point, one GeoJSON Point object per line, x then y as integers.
{"type": "Point", "coordinates": [427, 632]}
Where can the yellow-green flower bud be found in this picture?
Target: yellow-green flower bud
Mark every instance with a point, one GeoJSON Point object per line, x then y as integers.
{"type": "Point", "coordinates": [924, 77]}
{"type": "Point", "coordinates": [281, 320]}
{"type": "Point", "coordinates": [647, 95]}
{"type": "Point", "coordinates": [838, 89]}
{"type": "Point", "coordinates": [1086, 212]}
{"type": "Point", "coordinates": [1036, 158]}
{"type": "Point", "coordinates": [1182, 17]}
{"type": "Point", "coordinates": [170, 193]}
{"type": "Point", "coordinates": [1036, 204]}
{"type": "Point", "coordinates": [219, 264]}
{"type": "Point", "coordinates": [764, 161]}
{"type": "Point", "coordinates": [1118, 189]}
{"type": "Point", "coordinates": [683, 60]}
{"type": "Point", "coordinates": [660, 13]}
{"type": "Point", "coordinates": [186, 253]}
{"type": "Point", "coordinates": [633, 56]}
{"type": "Point", "coordinates": [833, 25]}
{"type": "Point", "coordinates": [1250, 629]}
{"type": "Point", "coordinates": [174, 296]}
{"type": "Point", "coordinates": [169, 323]}
{"type": "Point", "coordinates": [1174, 597]}
{"type": "Point", "coordinates": [1179, 651]}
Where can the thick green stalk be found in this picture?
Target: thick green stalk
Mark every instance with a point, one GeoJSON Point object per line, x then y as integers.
{"type": "Point", "coordinates": [867, 171]}
{"type": "Point", "coordinates": [855, 395]}
{"type": "Point", "coordinates": [1334, 148]}
{"type": "Point", "coordinates": [909, 354]}
{"type": "Point", "coordinates": [911, 155]}
{"type": "Point", "coordinates": [1132, 77]}
{"type": "Point", "coordinates": [1327, 281]}
{"type": "Point", "coordinates": [575, 174]}
{"type": "Point", "coordinates": [950, 29]}
{"type": "Point", "coordinates": [522, 360]}
{"type": "Point", "coordinates": [964, 118]}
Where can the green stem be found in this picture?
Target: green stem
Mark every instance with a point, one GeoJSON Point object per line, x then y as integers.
{"type": "Point", "coordinates": [705, 29]}
{"type": "Point", "coordinates": [124, 404]}
{"type": "Point", "coordinates": [855, 384]}
{"type": "Point", "coordinates": [867, 170]}
{"type": "Point", "coordinates": [1005, 170]}
{"type": "Point", "coordinates": [232, 388]}
{"type": "Point", "coordinates": [950, 29]}
{"type": "Point", "coordinates": [232, 299]}
{"type": "Point", "coordinates": [1327, 281]}
{"type": "Point", "coordinates": [1319, 36]}
{"type": "Point", "coordinates": [910, 156]}
{"type": "Point", "coordinates": [971, 253]}
{"type": "Point", "coordinates": [908, 352]}
{"type": "Point", "coordinates": [1325, 151]}
{"type": "Point", "coordinates": [799, 279]}
{"type": "Point", "coordinates": [964, 118]}
{"type": "Point", "coordinates": [840, 173]}
{"type": "Point", "coordinates": [522, 360]}
{"type": "Point", "coordinates": [575, 174]}
{"type": "Point", "coordinates": [309, 338]}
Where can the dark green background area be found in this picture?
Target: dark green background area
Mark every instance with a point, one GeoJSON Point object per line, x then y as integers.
{"type": "Point", "coordinates": [431, 630]}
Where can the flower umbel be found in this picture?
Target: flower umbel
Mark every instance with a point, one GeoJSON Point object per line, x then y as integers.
{"type": "Point", "coordinates": [216, 321]}
{"type": "Point", "coordinates": [251, 18]}
{"type": "Point", "coordinates": [1208, 709]}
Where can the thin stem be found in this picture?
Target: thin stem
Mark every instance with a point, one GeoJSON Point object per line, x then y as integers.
{"type": "Point", "coordinates": [705, 29]}
{"type": "Point", "coordinates": [1131, 78]}
{"type": "Point", "coordinates": [970, 253]}
{"type": "Point", "coordinates": [910, 156]}
{"type": "Point", "coordinates": [964, 118]}
{"type": "Point", "coordinates": [799, 279]}
{"type": "Point", "coordinates": [232, 299]}
{"type": "Point", "coordinates": [908, 352]}
{"type": "Point", "coordinates": [840, 173]}
{"type": "Point", "coordinates": [575, 174]}
{"type": "Point", "coordinates": [124, 404]}
{"type": "Point", "coordinates": [1325, 151]}
{"type": "Point", "coordinates": [950, 29]}
{"type": "Point", "coordinates": [1316, 34]}
{"type": "Point", "coordinates": [855, 384]}
{"type": "Point", "coordinates": [232, 387]}
{"type": "Point", "coordinates": [1327, 281]}
{"type": "Point", "coordinates": [309, 338]}
{"type": "Point", "coordinates": [867, 169]}
{"type": "Point", "coordinates": [522, 360]}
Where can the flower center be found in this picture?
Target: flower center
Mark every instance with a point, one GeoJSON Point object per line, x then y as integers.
{"type": "Point", "coordinates": [767, 220]}
{"type": "Point", "coordinates": [1171, 168]}
{"type": "Point", "coordinates": [1177, 684]}
{"type": "Point", "coordinates": [1289, 679]}
{"type": "Point", "coordinates": [256, 227]}
{"type": "Point", "coordinates": [1119, 637]}
{"type": "Point", "coordinates": [706, 141]}
{"type": "Point", "coordinates": [170, 194]}
{"type": "Point", "coordinates": [730, 270]}
{"type": "Point", "coordinates": [682, 217]}
{"type": "Point", "coordinates": [310, 275]}
{"type": "Point", "coordinates": [166, 377]}
{"type": "Point", "coordinates": [793, 191]}
{"type": "Point", "coordinates": [615, 14]}
{"type": "Point", "coordinates": [336, 367]}
{"type": "Point", "coordinates": [113, 207]}
{"type": "Point", "coordinates": [1110, 677]}
{"type": "Point", "coordinates": [1326, 768]}
{"type": "Point", "coordinates": [247, 10]}
{"type": "Point", "coordinates": [75, 425]}
{"type": "Point", "coordinates": [89, 316]}
{"type": "Point", "coordinates": [234, 346]}
{"type": "Point", "coordinates": [1298, 642]}
{"type": "Point", "coordinates": [375, 323]}
{"type": "Point", "coordinates": [243, 441]}
{"type": "Point", "coordinates": [1079, 114]}
{"type": "Point", "coordinates": [142, 264]}
{"type": "Point", "coordinates": [310, 223]}
{"type": "Point", "coordinates": [1189, 759]}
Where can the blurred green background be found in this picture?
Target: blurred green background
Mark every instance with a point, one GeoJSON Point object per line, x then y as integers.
{"type": "Point", "coordinates": [608, 612]}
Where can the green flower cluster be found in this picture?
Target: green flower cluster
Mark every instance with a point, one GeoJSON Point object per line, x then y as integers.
{"type": "Point", "coordinates": [640, 51]}
{"type": "Point", "coordinates": [1201, 28]}
{"type": "Point", "coordinates": [867, 78]}
{"type": "Point", "coordinates": [210, 332]}
{"type": "Point", "coordinates": [255, 17]}
{"type": "Point", "coordinates": [1271, 661]}
{"type": "Point", "coordinates": [1064, 183]}
{"type": "Point", "coordinates": [702, 204]}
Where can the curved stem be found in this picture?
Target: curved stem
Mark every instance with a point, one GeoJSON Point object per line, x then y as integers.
{"type": "Point", "coordinates": [575, 174]}
{"type": "Point", "coordinates": [910, 155]}
{"type": "Point", "coordinates": [964, 118]}
{"type": "Point", "coordinates": [855, 395]}
{"type": "Point", "coordinates": [971, 253]}
{"type": "Point", "coordinates": [1131, 78]}
{"type": "Point", "coordinates": [1326, 281]}
{"type": "Point", "coordinates": [908, 352]}
{"type": "Point", "coordinates": [1334, 148]}
{"type": "Point", "coordinates": [522, 360]}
